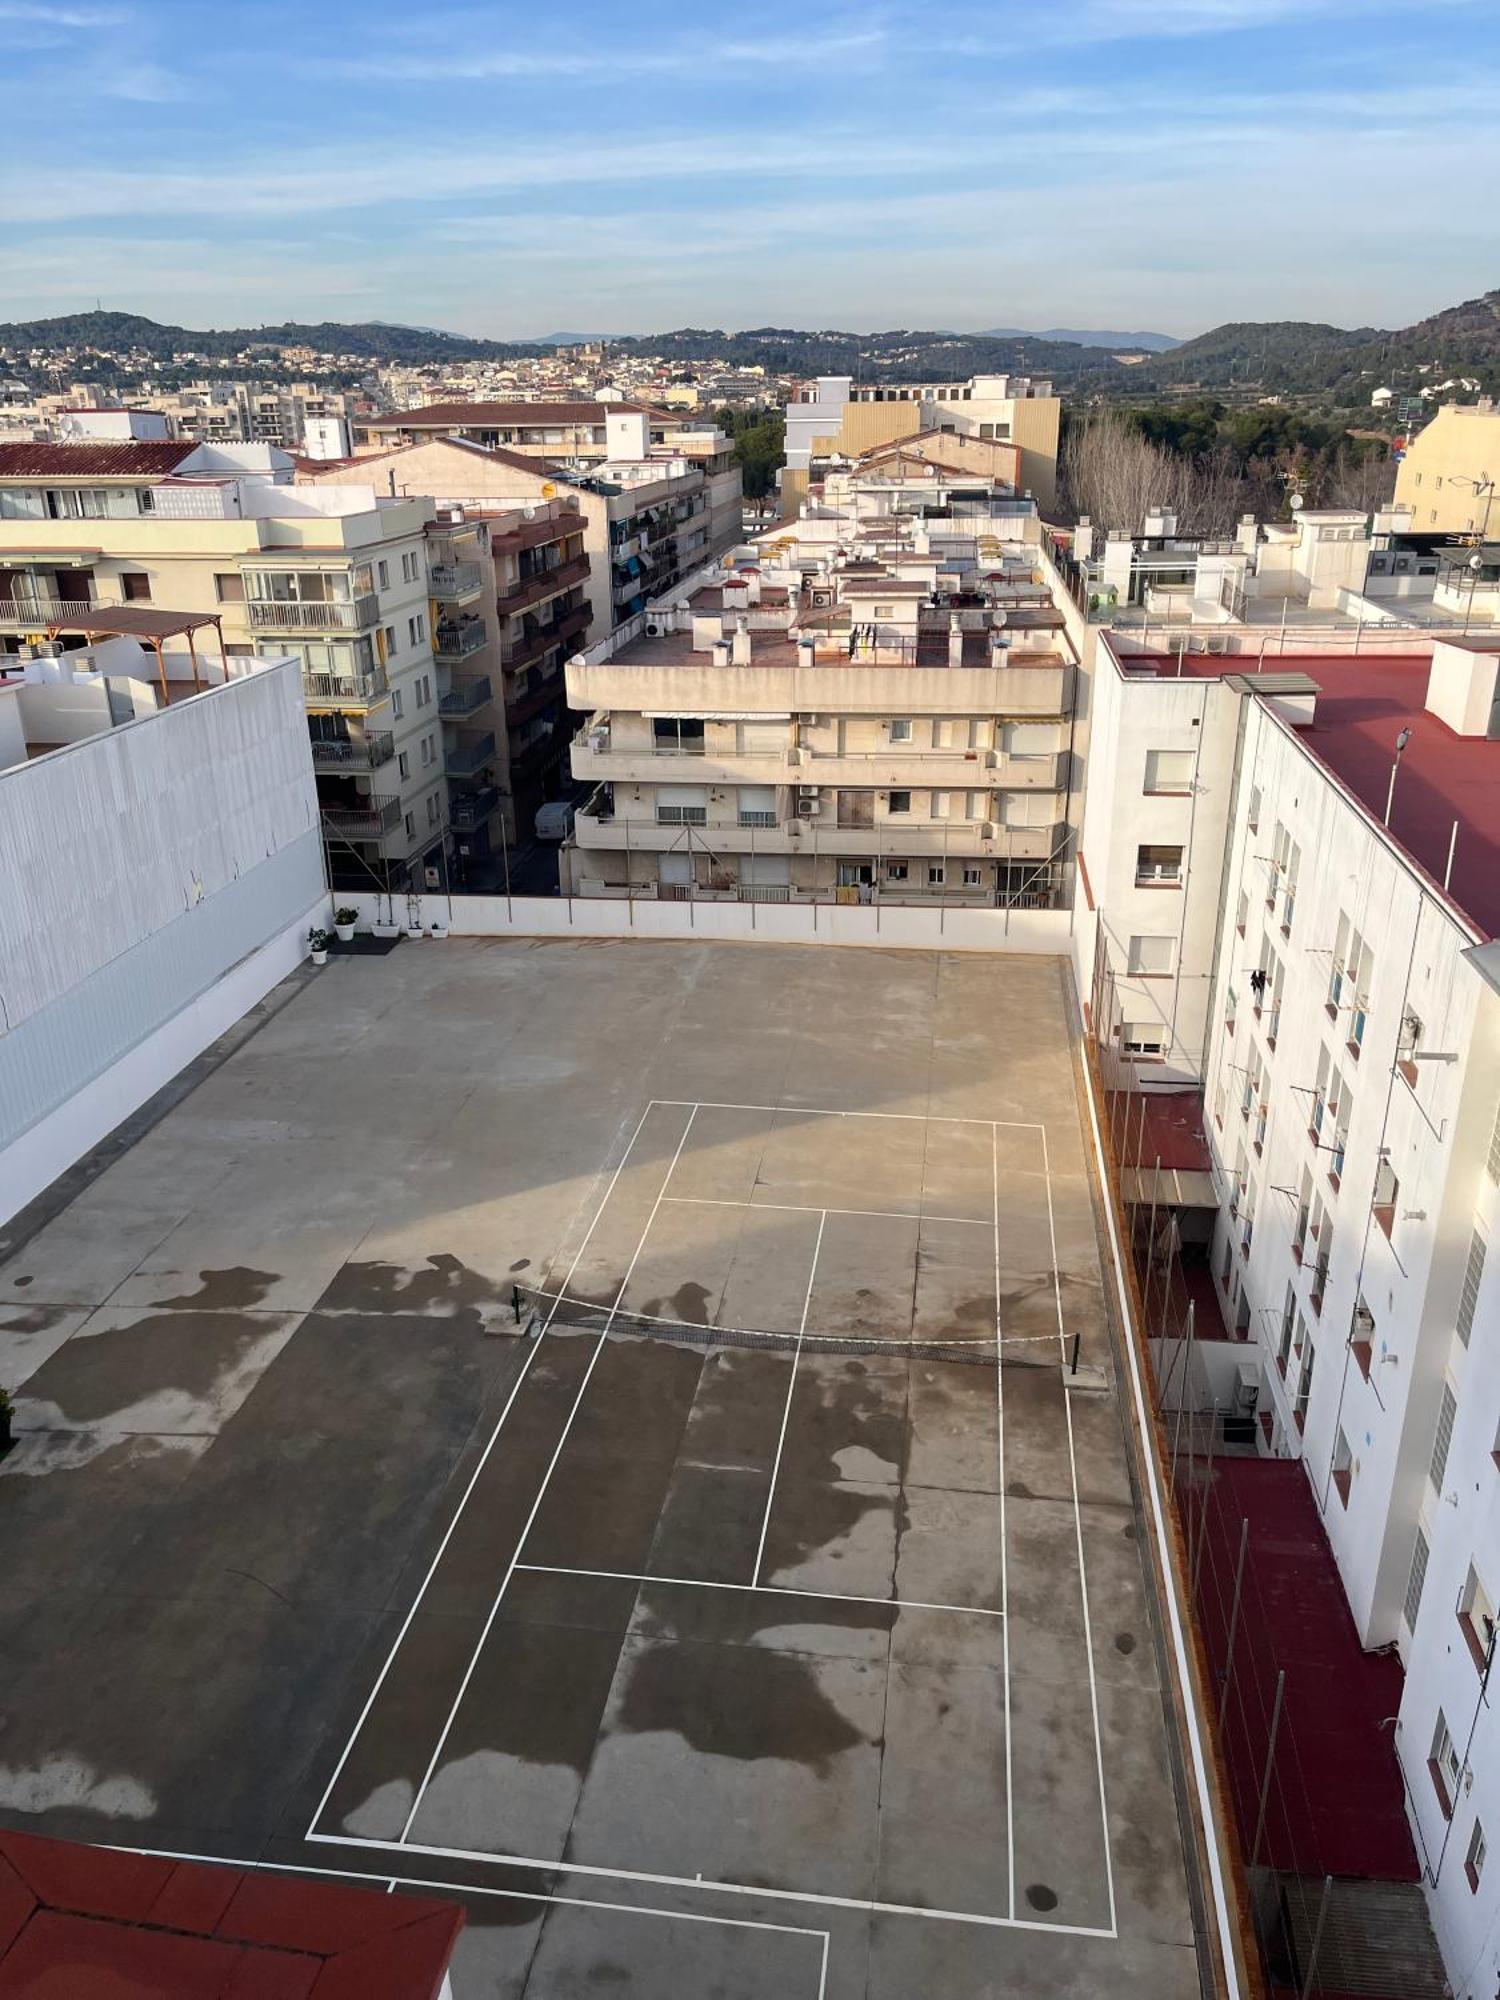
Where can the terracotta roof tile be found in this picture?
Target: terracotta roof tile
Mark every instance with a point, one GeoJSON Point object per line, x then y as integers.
{"type": "Point", "coordinates": [151, 459]}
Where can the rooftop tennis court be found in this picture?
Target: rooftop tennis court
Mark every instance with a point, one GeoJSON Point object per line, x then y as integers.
{"type": "Point", "coordinates": [766, 1616]}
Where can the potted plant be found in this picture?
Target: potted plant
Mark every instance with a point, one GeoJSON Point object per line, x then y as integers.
{"type": "Point", "coordinates": [438, 928]}
{"type": "Point", "coordinates": [386, 926]}
{"type": "Point", "coordinates": [344, 921]}
{"type": "Point", "coordinates": [414, 925]}
{"type": "Point", "coordinates": [317, 944]}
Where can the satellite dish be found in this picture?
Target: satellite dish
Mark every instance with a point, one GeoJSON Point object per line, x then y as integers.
{"type": "Point", "coordinates": [1298, 503]}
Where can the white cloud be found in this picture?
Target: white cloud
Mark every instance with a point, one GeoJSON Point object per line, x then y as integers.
{"type": "Point", "coordinates": [707, 58]}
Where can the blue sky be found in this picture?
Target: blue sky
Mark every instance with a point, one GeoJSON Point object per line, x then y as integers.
{"type": "Point", "coordinates": [509, 170]}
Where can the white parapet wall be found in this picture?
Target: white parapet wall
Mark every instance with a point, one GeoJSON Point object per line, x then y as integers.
{"type": "Point", "coordinates": [890, 926]}
{"type": "Point", "coordinates": [159, 880]}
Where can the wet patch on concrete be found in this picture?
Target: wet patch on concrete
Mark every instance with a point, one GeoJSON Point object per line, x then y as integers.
{"type": "Point", "coordinates": [30, 1319]}
{"type": "Point", "coordinates": [444, 1287]}
{"type": "Point", "coordinates": [1040, 1897]}
{"type": "Point", "coordinates": [749, 1706]}
{"type": "Point", "coordinates": [1125, 1643]}
{"type": "Point", "coordinates": [68, 1784]}
{"type": "Point", "coordinates": [236, 1289]}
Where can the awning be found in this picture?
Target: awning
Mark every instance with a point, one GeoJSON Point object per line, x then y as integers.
{"type": "Point", "coordinates": [711, 715]}
{"type": "Point", "coordinates": [127, 621]}
{"type": "Point", "coordinates": [1171, 1187]}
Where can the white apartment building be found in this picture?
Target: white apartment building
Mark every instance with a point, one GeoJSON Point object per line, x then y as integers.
{"type": "Point", "coordinates": [1291, 882]}
{"type": "Point", "coordinates": [337, 577]}
{"type": "Point", "coordinates": [852, 730]}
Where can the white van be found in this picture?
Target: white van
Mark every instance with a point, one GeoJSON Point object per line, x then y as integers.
{"type": "Point", "coordinates": [554, 820]}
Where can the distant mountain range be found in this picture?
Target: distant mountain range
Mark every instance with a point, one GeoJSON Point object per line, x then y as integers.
{"type": "Point", "coordinates": [1297, 356]}
{"type": "Point", "coordinates": [1127, 343]}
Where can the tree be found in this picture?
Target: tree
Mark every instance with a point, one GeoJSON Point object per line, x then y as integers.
{"type": "Point", "coordinates": [759, 446]}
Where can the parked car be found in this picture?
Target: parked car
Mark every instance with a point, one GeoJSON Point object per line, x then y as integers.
{"type": "Point", "coordinates": [554, 820]}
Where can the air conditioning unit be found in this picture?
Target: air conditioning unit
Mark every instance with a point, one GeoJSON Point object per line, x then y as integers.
{"type": "Point", "coordinates": [809, 808]}
{"type": "Point", "coordinates": [808, 791]}
{"type": "Point", "coordinates": [1246, 1389]}
{"type": "Point", "coordinates": [653, 629]}
{"type": "Point", "coordinates": [822, 600]}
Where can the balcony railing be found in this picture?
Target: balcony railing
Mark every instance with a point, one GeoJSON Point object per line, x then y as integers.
{"type": "Point", "coordinates": [457, 642]}
{"type": "Point", "coordinates": [466, 695]}
{"type": "Point", "coordinates": [535, 643]}
{"type": "Point", "coordinates": [32, 613]}
{"type": "Point", "coordinates": [354, 614]}
{"type": "Point", "coordinates": [366, 821]}
{"type": "Point", "coordinates": [543, 583]}
{"type": "Point", "coordinates": [366, 753]}
{"type": "Point", "coordinates": [468, 758]}
{"type": "Point", "coordinates": [455, 579]}
{"type": "Point", "coordinates": [471, 809]}
{"type": "Point", "coordinates": [355, 691]}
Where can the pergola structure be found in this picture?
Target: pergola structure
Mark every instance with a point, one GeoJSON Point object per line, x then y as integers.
{"type": "Point", "coordinates": [145, 623]}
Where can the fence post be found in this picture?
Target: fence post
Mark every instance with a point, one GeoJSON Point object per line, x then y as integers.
{"type": "Point", "coordinates": [1317, 1939]}
{"type": "Point", "coordinates": [1265, 1782]}
{"type": "Point", "coordinates": [1234, 1618]}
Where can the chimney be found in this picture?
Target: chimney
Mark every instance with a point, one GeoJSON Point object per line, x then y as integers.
{"type": "Point", "coordinates": [721, 652]}
{"type": "Point", "coordinates": [955, 640]}
{"type": "Point", "coordinates": [807, 651]}
{"type": "Point", "coordinates": [1083, 539]}
{"type": "Point", "coordinates": [752, 585]}
{"type": "Point", "coordinates": [741, 643]}
{"type": "Point", "coordinates": [1248, 534]}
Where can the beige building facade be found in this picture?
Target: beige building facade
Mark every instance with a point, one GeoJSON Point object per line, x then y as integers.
{"type": "Point", "coordinates": [1448, 476]}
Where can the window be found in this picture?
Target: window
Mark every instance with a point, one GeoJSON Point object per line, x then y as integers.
{"type": "Point", "coordinates": [940, 803]}
{"type": "Point", "coordinates": [1474, 1856]}
{"type": "Point", "coordinates": [1158, 866]}
{"type": "Point", "coordinates": [681, 805]}
{"type": "Point", "coordinates": [432, 808]}
{"type": "Point", "coordinates": [1416, 1576]}
{"type": "Point", "coordinates": [1152, 957]}
{"type": "Point", "coordinates": [229, 587]}
{"type": "Point", "coordinates": [1253, 815]}
{"type": "Point", "coordinates": [383, 571]}
{"type": "Point", "coordinates": [1169, 771]}
{"type": "Point", "coordinates": [974, 804]}
{"type": "Point", "coordinates": [1030, 741]}
{"type": "Point", "coordinates": [971, 878]}
{"type": "Point", "coordinates": [390, 640]}
{"type": "Point", "coordinates": [411, 827]}
{"type": "Point", "coordinates": [426, 750]}
{"type": "Point", "coordinates": [1387, 1195]}
{"type": "Point", "coordinates": [136, 586]}
{"type": "Point", "coordinates": [403, 764]}
{"type": "Point", "coordinates": [937, 874]}
{"type": "Point", "coordinates": [1288, 1319]}
{"type": "Point", "coordinates": [424, 690]}
{"type": "Point", "coordinates": [409, 567]}
{"type": "Point", "coordinates": [900, 802]}
{"type": "Point", "coordinates": [1144, 1038]}
{"type": "Point", "coordinates": [1438, 1464]}
{"type": "Point", "coordinates": [1443, 1766]}
{"type": "Point", "coordinates": [1476, 1617]}
{"type": "Point", "coordinates": [677, 735]}
{"type": "Point", "coordinates": [1469, 1296]}
{"type": "Point", "coordinates": [1304, 1385]}
{"type": "Point", "coordinates": [398, 707]}
{"type": "Point", "coordinates": [416, 629]}
{"type": "Point", "coordinates": [901, 731]}
{"type": "Point", "coordinates": [1343, 1467]}
{"type": "Point", "coordinates": [1492, 1164]}
{"type": "Point", "coordinates": [757, 805]}
{"type": "Point", "coordinates": [895, 871]}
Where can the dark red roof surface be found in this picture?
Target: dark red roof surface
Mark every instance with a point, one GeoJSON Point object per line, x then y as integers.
{"type": "Point", "coordinates": [149, 459]}
{"type": "Point", "coordinates": [87, 1923]}
{"type": "Point", "coordinates": [1365, 700]}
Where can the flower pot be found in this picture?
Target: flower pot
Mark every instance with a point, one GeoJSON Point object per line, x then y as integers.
{"type": "Point", "coordinates": [320, 957]}
{"type": "Point", "coordinates": [386, 930]}
{"type": "Point", "coordinates": [439, 931]}
{"type": "Point", "coordinates": [344, 933]}
{"type": "Point", "coordinates": [415, 931]}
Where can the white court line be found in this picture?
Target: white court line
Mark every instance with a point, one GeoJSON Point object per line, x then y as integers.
{"type": "Point", "coordinates": [514, 1895]}
{"type": "Point", "coordinates": [761, 1589]}
{"type": "Point", "coordinates": [866, 1905]}
{"type": "Point", "coordinates": [1010, 1811]}
{"type": "Point", "coordinates": [791, 1390]}
{"type": "Point", "coordinates": [823, 1111]}
{"type": "Point", "coordinates": [811, 1208]}
{"type": "Point", "coordinates": [898, 1343]}
{"type": "Point", "coordinates": [541, 1491]}
{"type": "Point", "coordinates": [442, 1548]}
{"type": "Point", "coordinates": [1083, 1579]}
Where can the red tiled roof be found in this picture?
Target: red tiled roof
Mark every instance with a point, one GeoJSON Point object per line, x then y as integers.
{"type": "Point", "coordinates": [151, 459]}
{"type": "Point", "coordinates": [91, 1924]}
{"type": "Point", "coordinates": [1365, 700]}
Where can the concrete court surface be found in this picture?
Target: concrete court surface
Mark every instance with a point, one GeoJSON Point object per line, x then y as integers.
{"type": "Point", "coordinates": [309, 1558]}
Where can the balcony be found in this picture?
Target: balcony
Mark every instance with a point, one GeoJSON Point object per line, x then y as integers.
{"type": "Point", "coordinates": [523, 708]}
{"type": "Point", "coordinates": [534, 643]}
{"type": "Point", "coordinates": [542, 584]}
{"type": "Point", "coordinates": [355, 614]}
{"type": "Point", "coordinates": [32, 614]}
{"type": "Point", "coordinates": [454, 582]}
{"type": "Point", "coordinates": [354, 692]}
{"type": "Point", "coordinates": [471, 809]}
{"type": "Point", "coordinates": [458, 642]}
{"type": "Point", "coordinates": [365, 753]}
{"type": "Point", "coordinates": [470, 758]}
{"type": "Point", "coordinates": [369, 820]}
{"type": "Point", "coordinates": [465, 696]}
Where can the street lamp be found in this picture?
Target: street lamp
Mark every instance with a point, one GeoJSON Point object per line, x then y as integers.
{"type": "Point", "coordinates": [1476, 564]}
{"type": "Point", "coordinates": [1401, 742]}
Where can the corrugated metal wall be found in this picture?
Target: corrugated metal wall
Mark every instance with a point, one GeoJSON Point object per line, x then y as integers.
{"type": "Point", "coordinates": [135, 869]}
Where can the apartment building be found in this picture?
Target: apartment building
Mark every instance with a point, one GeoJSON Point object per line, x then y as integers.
{"type": "Point", "coordinates": [836, 417]}
{"type": "Point", "coordinates": [1447, 474]}
{"type": "Point", "coordinates": [1290, 879]}
{"type": "Point", "coordinates": [336, 577]}
{"type": "Point", "coordinates": [862, 731]}
{"type": "Point", "coordinates": [649, 518]}
{"type": "Point", "coordinates": [510, 601]}
{"type": "Point", "coordinates": [577, 433]}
